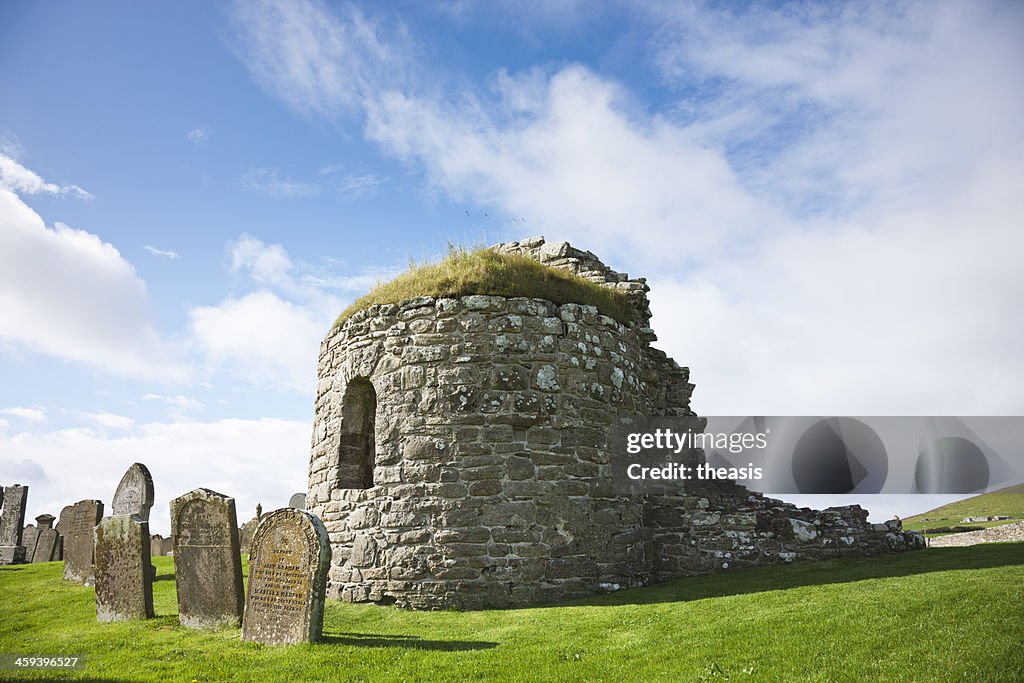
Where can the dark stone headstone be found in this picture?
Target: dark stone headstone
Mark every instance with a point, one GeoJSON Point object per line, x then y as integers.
{"type": "Point", "coordinates": [29, 536]}
{"type": "Point", "coordinates": [76, 525]}
{"type": "Point", "coordinates": [207, 560]}
{"type": "Point", "coordinates": [288, 563]}
{"type": "Point", "coordinates": [134, 495]}
{"type": "Point", "coordinates": [12, 522]}
{"type": "Point", "coordinates": [124, 580]}
{"type": "Point", "coordinates": [47, 539]}
{"type": "Point", "coordinates": [297, 501]}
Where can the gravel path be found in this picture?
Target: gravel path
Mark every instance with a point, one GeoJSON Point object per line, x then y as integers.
{"type": "Point", "coordinates": [996, 534]}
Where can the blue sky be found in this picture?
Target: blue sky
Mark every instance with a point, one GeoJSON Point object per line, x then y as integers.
{"type": "Point", "coordinates": [826, 198]}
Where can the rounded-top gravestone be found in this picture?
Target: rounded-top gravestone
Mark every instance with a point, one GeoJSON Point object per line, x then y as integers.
{"type": "Point", "coordinates": [134, 495]}
{"type": "Point", "coordinates": [297, 501]}
{"type": "Point", "coordinates": [288, 563]}
{"type": "Point", "coordinates": [207, 560]}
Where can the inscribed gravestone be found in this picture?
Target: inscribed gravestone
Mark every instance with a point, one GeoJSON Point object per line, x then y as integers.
{"type": "Point", "coordinates": [29, 536]}
{"type": "Point", "coordinates": [207, 560]}
{"type": "Point", "coordinates": [124, 581]}
{"type": "Point", "coordinates": [288, 563]}
{"type": "Point", "coordinates": [12, 522]}
{"type": "Point", "coordinates": [297, 501]}
{"type": "Point", "coordinates": [134, 495]}
{"type": "Point", "coordinates": [46, 539]}
{"type": "Point", "coordinates": [76, 525]}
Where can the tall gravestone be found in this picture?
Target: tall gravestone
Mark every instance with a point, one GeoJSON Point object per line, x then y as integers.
{"type": "Point", "coordinates": [29, 536]}
{"type": "Point", "coordinates": [288, 563]}
{"type": "Point", "coordinates": [47, 539]}
{"type": "Point", "coordinates": [124, 575]}
{"type": "Point", "coordinates": [76, 525]}
{"type": "Point", "coordinates": [207, 560]}
{"type": "Point", "coordinates": [12, 523]}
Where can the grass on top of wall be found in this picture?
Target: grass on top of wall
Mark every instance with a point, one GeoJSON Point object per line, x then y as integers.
{"type": "Point", "coordinates": [484, 271]}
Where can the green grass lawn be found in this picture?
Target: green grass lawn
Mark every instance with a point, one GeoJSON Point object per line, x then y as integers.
{"type": "Point", "coordinates": [1007, 501]}
{"type": "Point", "coordinates": [940, 614]}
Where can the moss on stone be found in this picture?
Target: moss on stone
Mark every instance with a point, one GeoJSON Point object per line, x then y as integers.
{"type": "Point", "coordinates": [483, 271]}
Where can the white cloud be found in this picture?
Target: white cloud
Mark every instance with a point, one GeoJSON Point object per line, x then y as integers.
{"type": "Point", "coordinates": [17, 178]}
{"type": "Point", "coordinates": [265, 264]}
{"type": "Point", "coordinates": [105, 420]}
{"type": "Point", "coordinates": [27, 414]}
{"type": "Point", "coordinates": [262, 339]}
{"type": "Point", "coordinates": [252, 460]}
{"type": "Point", "coordinates": [317, 60]}
{"type": "Point", "coordinates": [67, 293]}
{"type": "Point", "coordinates": [269, 181]}
{"type": "Point", "coordinates": [172, 255]}
{"type": "Point", "coordinates": [178, 401]}
{"type": "Point", "coordinates": [354, 186]}
{"type": "Point", "coordinates": [198, 136]}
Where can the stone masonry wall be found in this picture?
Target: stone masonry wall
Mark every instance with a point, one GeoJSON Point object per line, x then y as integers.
{"type": "Point", "coordinates": [483, 425]}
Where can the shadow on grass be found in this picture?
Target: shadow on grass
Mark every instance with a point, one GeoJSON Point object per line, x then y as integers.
{"type": "Point", "coordinates": [840, 570]}
{"type": "Point", "coordinates": [410, 642]}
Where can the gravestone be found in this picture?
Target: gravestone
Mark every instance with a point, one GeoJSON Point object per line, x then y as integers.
{"type": "Point", "coordinates": [288, 563]}
{"type": "Point", "coordinates": [124, 580]}
{"type": "Point", "coordinates": [76, 525]}
{"type": "Point", "coordinates": [207, 560]}
{"type": "Point", "coordinates": [12, 522]}
{"type": "Point", "coordinates": [134, 495]}
{"type": "Point", "coordinates": [159, 545]}
{"type": "Point", "coordinates": [246, 531]}
{"type": "Point", "coordinates": [297, 501]}
{"type": "Point", "coordinates": [47, 539]}
{"type": "Point", "coordinates": [29, 536]}
{"type": "Point", "coordinates": [124, 575]}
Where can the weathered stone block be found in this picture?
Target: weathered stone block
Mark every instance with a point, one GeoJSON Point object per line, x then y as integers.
{"type": "Point", "coordinates": [124, 579]}
{"type": "Point", "coordinates": [207, 560]}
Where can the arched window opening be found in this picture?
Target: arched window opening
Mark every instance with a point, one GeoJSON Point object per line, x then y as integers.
{"type": "Point", "coordinates": [358, 450]}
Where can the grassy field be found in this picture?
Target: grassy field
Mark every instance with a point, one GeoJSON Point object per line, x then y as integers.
{"type": "Point", "coordinates": [483, 271]}
{"type": "Point", "coordinates": [1008, 501]}
{"type": "Point", "coordinates": [941, 614]}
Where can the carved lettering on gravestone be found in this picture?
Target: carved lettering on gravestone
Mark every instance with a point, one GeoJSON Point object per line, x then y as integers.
{"type": "Point", "coordinates": [29, 536]}
{"type": "Point", "coordinates": [76, 525]}
{"type": "Point", "coordinates": [46, 539]}
{"type": "Point", "coordinates": [288, 563]}
{"type": "Point", "coordinates": [134, 495]}
{"type": "Point", "coordinates": [207, 560]}
{"type": "Point", "coordinates": [12, 523]}
{"type": "Point", "coordinates": [124, 580]}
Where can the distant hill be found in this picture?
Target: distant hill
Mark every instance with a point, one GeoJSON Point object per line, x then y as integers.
{"type": "Point", "coordinates": [1008, 501]}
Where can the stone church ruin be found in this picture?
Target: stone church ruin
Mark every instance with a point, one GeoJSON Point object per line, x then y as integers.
{"type": "Point", "coordinates": [460, 456]}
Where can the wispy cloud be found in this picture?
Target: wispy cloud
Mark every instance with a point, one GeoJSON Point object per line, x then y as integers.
{"type": "Point", "coordinates": [17, 178]}
{"type": "Point", "coordinates": [352, 186]}
{"type": "Point", "coordinates": [162, 252]}
{"type": "Point", "coordinates": [198, 136]}
{"type": "Point", "coordinates": [270, 182]}
{"type": "Point", "coordinates": [27, 414]}
{"type": "Point", "coordinates": [105, 420]}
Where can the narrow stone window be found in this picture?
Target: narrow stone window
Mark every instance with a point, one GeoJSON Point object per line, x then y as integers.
{"type": "Point", "coordinates": [357, 452]}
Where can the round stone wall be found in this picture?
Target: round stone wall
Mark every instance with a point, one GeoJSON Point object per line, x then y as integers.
{"type": "Point", "coordinates": [459, 452]}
